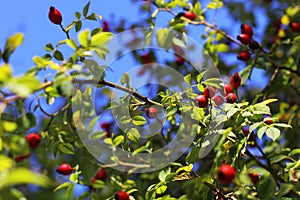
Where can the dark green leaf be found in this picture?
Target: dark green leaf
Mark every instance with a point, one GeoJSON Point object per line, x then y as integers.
{"type": "Point", "coordinates": [78, 25]}
{"type": "Point", "coordinates": [49, 47]}
{"type": "Point", "coordinates": [11, 44]}
{"type": "Point", "coordinates": [133, 135]}
{"type": "Point", "coordinates": [86, 9]}
{"type": "Point", "coordinates": [139, 120]}
{"type": "Point", "coordinates": [66, 148]}
{"type": "Point", "coordinates": [58, 55]}
{"type": "Point", "coordinates": [193, 156]}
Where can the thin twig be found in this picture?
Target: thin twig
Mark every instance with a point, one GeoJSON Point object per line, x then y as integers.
{"type": "Point", "coordinates": [65, 31]}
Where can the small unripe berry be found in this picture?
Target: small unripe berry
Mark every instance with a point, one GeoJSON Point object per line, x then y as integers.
{"type": "Point", "coordinates": [101, 175]}
{"type": "Point", "coordinates": [244, 55]}
{"type": "Point", "coordinates": [54, 15]}
{"type": "Point", "coordinates": [227, 88]}
{"type": "Point", "coordinates": [253, 45]}
{"type": "Point", "coordinates": [244, 38]}
{"type": "Point", "coordinates": [226, 174]}
{"type": "Point", "coordinates": [218, 100]}
{"type": "Point", "coordinates": [295, 26]}
{"type": "Point", "coordinates": [235, 80]}
{"type": "Point", "coordinates": [246, 29]}
{"type": "Point", "coordinates": [64, 169]}
{"type": "Point", "coordinates": [231, 98]}
{"type": "Point", "coordinates": [209, 92]}
{"type": "Point", "coordinates": [122, 195]}
{"type": "Point", "coordinates": [254, 177]}
{"type": "Point", "coordinates": [151, 112]}
{"type": "Point", "coordinates": [202, 101]}
{"type": "Point", "coordinates": [191, 16]}
{"type": "Point", "coordinates": [33, 139]}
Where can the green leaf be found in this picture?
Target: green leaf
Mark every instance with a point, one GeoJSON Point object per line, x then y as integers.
{"type": "Point", "coordinates": [268, 101]}
{"type": "Point", "coordinates": [261, 109]}
{"type": "Point", "coordinates": [58, 55]}
{"type": "Point", "coordinates": [83, 37]}
{"type": "Point", "coordinates": [24, 85]}
{"type": "Point", "coordinates": [294, 152]}
{"type": "Point", "coordinates": [5, 163]}
{"type": "Point", "coordinates": [261, 131]}
{"type": "Point", "coordinates": [66, 88]}
{"type": "Point", "coordinates": [245, 74]}
{"type": "Point", "coordinates": [92, 123]}
{"type": "Point", "coordinates": [5, 73]}
{"type": "Point", "coordinates": [9, 126]}
{"type": "Point", "coordinates": [11, 44]}
{"type": "Point", "coordinates": [71, 43]}
{"type": "Point", "coordinates": [86, 9]}
{"type": "Point", "coordinates": [285, 188]}
{"type": "Point", "coordinates": [118, 140]}
{"type": "Point", "coordinates": [70, 26]}
{"type": "Point", "coordinates": [273, 133]}
{"type": "Point", "coordinates": [231, 112]}
{"type": "Point", "coordinates": [165, 38]}
{"type": "Point", "coordinates": [125, 78]}
{"type": "Point", "coordinates": [161, 189]}
{"type": "Point", "coordinates": [78, 25]}
{"type": "Point", "coordinates": [66, 148]}
{"type": "Point", "coordinates": [20, 176]}
{"type": "Point", "coordinates": [188, 79]}
{"type": "Point", "coordinates": [282, 125]}
{"type": "Point", "coordinates": [92, 17]}
{"type": "Point", "coordinates": [49, 47]}
{"type": "Point", "coordinates": [193, 155]}
{"type": "Point", "coordinates": [215, 5]}
{"type": "Point", "coordinates": [74, 178]}
{"type": "Point", "coordinates": [266, 188]}
{"type": "Point", "coordinates": [98, 184]}
{"type": "Point", "coordinates": [171, 110]}
{"type": "Point", "coordinates": [63, 185]}
{"type": "Point", "coordinates": [100, 38]}
{"type": "Point", "coordinates": [222, 47]}
{"type": "Point", "coordinates": [133, 135]}
{"type": "Point", "coordinates": [139, 120]}
{"type": "Point", "coordinates": [163, 174]}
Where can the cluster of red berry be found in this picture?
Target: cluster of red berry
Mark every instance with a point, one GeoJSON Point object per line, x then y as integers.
{"type": "Point", "coordinates": [210, 92]}
{"type": "Point", "coordinates": [246, 38]}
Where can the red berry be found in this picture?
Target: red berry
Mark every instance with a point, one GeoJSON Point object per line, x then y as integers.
{"type": "Point", "coordinates": [54, 15]}
{"type": "Point", "coordinates": [106, 126]}
{"type": "Point", "coordinates": [251, 137]}
{"type": "Point", "coordinates": [253, 45]}
{"type": "Point", "coordinates": [235, 80]}
{"type": "Point", "coordinates": [245, 131]}
{"type": "Point", "coordinates": [227, 88]}
{"type": "Point", "coordinates": [105, 26]}
{"type": "Point", "coordinates": [202, 101]}
{"type": "Point", "coordinates": [244, 55]}
{"type": "Point", "coordinates": [244, 38]}
{"type": "Point", "coordinates": [33, 139]}
{"type": "Point", "coordinates": [22, 157]}
{"type": "Point", "coordinates": [209, 92]}
{"type": "Point", "coordinates": [145, 58]}
{"type": "Point", "coordinates": [268, 121]}
{"type": "Point", "coordinates": [151, 112]}
{"type": "Point", "coordinates": [179, 60]}
{"type": "Point", "coordinates": [122, 195]}
{"type": "Point", "coordinates": [226, 174]}
{"type": "Point", "coordinates": [231, 98]}
{"type": "Point", "coordinates": [93, 180]}
{"type": "Point", "coordinates": [64, 169]}
{"type": "Point", "coordinates": [218, 100]}
{"type": "Point", "coordinates": [246, 29]}
{"type": "Point", "coordinates": [101, 175]}
{"type": "Point", "coordinates": [254, 177]}
{"type": "Point", "coordinates": [295, 26]}
{"type": "Point", "coordinates": [191, 16]}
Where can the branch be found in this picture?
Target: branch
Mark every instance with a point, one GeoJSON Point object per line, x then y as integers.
{"type": "Point", "coordinates": [65, 31]}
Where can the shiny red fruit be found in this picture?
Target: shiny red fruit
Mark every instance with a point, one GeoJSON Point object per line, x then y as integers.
{"type": "Point", "coordinates": [122, 195]}
{"type": "Point", "coordinates": [247, 29]}
{"type": "Point", "coordinates": [191, 16]}
{"type": "Point", "coordinates": [268, 121]}
{"type": "Point", "coordinates": [179, 60]}
{"type": "Point", "coordinates": [227, 89]}
{"type": "Point", "coordinates": [151, 112]}
{"type": "Point", "coordinates": [22, 157]}
{"type": "Point", "coordinates": [244, 38]}
{"type": "Point", "coordinates": [218, 100]}
{"type": "Point", "coordinates": [244, 55]}
{"type": "Point", "coordinates": [54, 16]}
{"type": "Point", "coordinates": [202, 101]}
{"type": "Point", "coordinates": [254, 177]}
{"type": "Point", "coordinates": [106, 126]}
{"type": "Point", "coordinates": [146, 58]}
{"type": "Point", "coordinates": [101, 175]}
{"type": "Point", "coordinates": [33, 139]}
{"type": "Point", "coordinates": [209, 92]}
{"type": "Point", "coordinates": [235, 80]}
{"type": "Point", "coordinates": [64, 169]}
{"type": "Point", "coordinates": [105, 26]}
{"type": "Point", "coordinates": [231, 98]}
{"type": "Point", "coordinates": [226, 174]}
{"type": "Point", "coordinates": [295, 26]}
